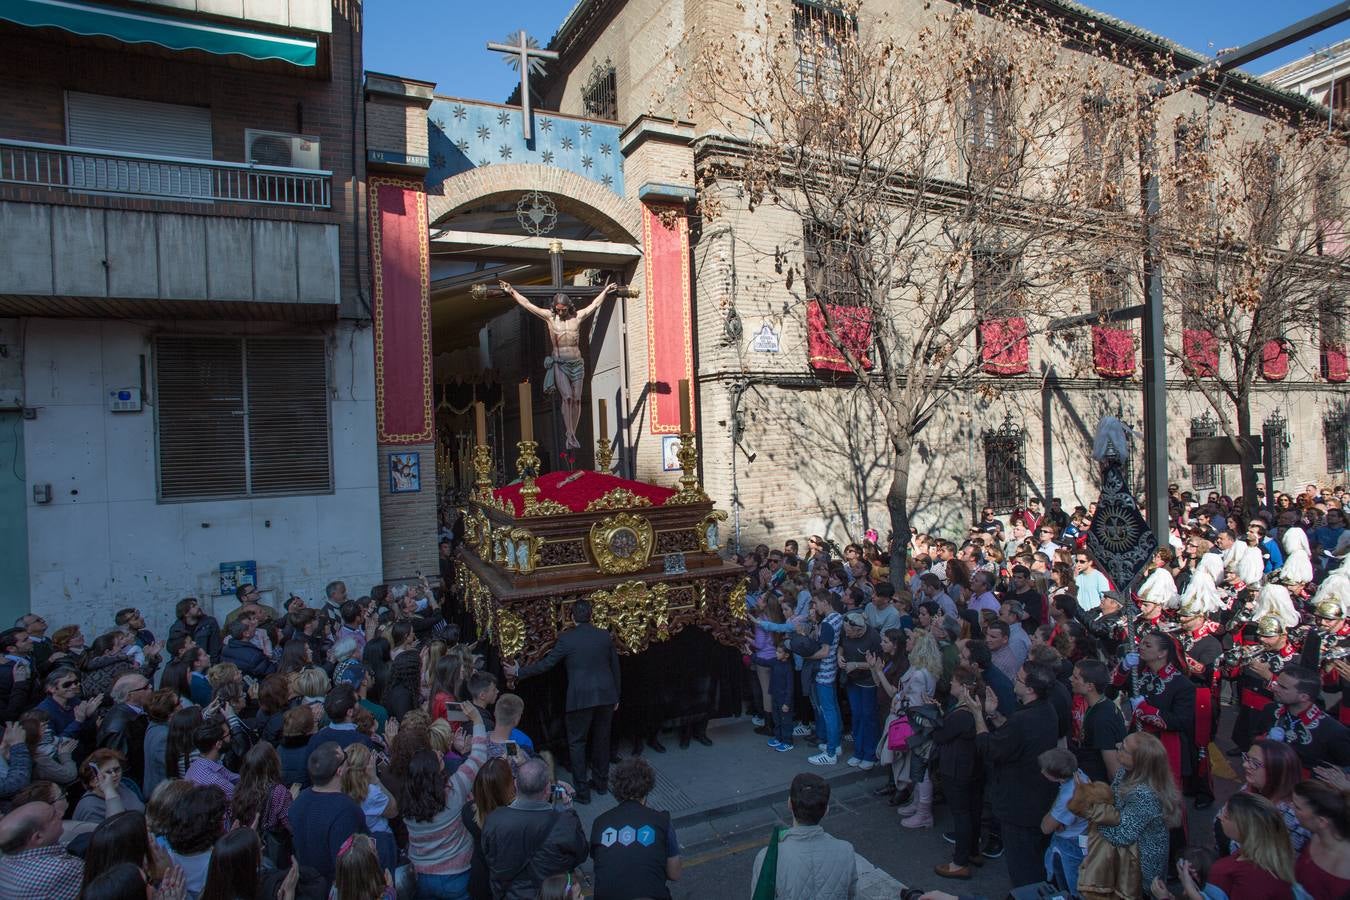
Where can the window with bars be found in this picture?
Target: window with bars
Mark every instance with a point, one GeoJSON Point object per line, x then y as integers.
{"type": "Point", "coordinates": [600, 93]}
{"type": "Point", "coordinates": [1336, 434]}
{"type": "Point", "coordinates": [1275, 434]}
{"type": "Point", "coordinates": [819, 32]}
{"type": "Point", "coordinates": [834, 264]}
{"type": "Point", "coordinates": [995, 286]}
{"type": "Point", "coordinates": [1331, 319]}
{"type": "Point", "coordinates": [1204, 476]}
{"type": "Point", "coordinates": [1191, 157]}
{"type": "Point", "coordinates": [1103, 153]}
{"type": "Point", "coordinates": [1108, 289]}
{"type": "Point", "coordinates": [1195, 293]}
{"type": "Point", "coordinates": [989, 115]}
{"type": "Point", "coordinates": [1262, 167]}
{"type": "Point", "coordinates": [1005, 466]}
{"type": "Point", "coordinates": [242, 417]}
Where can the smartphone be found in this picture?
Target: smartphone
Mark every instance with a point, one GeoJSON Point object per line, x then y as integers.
{"type": "Point", "coordinates": [559, 792]}
{"type": "Point", "coordinates": [453, 714]}
{"type": "Point", "coordinates": [512, 749]}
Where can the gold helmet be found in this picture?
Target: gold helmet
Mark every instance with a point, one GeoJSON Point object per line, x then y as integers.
{"type": "Point", "coordinates": [1269, 626]}
{"type": "Point", "coordinates": [1329, 609]}
{"type": "Point", "coordinates": [1191, 607]}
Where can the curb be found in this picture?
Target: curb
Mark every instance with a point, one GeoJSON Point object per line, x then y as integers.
{"type": "Point", "coordinates": [762, 798]}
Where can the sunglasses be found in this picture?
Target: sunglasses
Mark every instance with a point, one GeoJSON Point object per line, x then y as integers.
{"type": "Point", "coordinates": [1252, 762]}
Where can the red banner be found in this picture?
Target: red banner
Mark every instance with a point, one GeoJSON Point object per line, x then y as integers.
{"type": "Point", "coordinates": [1274, 361]}
{"type": "Point", "coordinates": [1201, 349]}
{"type": "Point", "coordinates": [1004, 348]}
{"type": "Point", "coordinates": [1113, 351]}
{"type": "Point", "coordinates": [400, 269]}
{"type": "Point", "coordinates": [851, 324]}
{"type": "Point", "coordinates": [670, 332]}
{"type": "Point", "coordinates": [1334, 363]}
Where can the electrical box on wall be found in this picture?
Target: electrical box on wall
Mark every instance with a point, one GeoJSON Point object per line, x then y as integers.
{"type": "Point", "coordinates": [124, 400]}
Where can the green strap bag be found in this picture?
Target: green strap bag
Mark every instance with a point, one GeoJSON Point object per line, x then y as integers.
{"type": "Point", "coordinates": [768, 873]}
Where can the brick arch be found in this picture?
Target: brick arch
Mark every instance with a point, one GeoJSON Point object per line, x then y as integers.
{"type": "Point", "coordinates": [588, 200]}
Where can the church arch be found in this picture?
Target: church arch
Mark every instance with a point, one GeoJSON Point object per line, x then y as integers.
{"type": "Point", "coordinates": [588, 200]}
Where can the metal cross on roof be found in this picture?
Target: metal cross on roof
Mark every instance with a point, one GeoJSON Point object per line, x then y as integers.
{"type": "Point", "coordinates": [525, 55]}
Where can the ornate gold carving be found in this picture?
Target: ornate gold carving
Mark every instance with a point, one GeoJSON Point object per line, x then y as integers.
{"type": "Point", "coordinates": [736, 599]}
{"type": "Point", "coordinates": [617, 498]}
{"type": "Point", "coordinates": [604, 454]}
{"type": "Point", "coordinates": [510, 632]}
{"type": "Point", "coordinates": [635, 613]}
{"type": "Point", "coordinates": [482, 467]}
{"type": "Point", "coordinates": [542, 508]}
{"type": "Point", "coordinates": [526, 551]}
{"type": "Point", "coordinates": [690, 491]}
{"type": "Point", "coordinates": [707, 532]}
{"type": "Point", "coordinates": [621, 543]}
{"type": "Point", "coordinates": [527, 466]}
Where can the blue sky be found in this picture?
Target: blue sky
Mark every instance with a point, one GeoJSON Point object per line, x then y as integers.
{"type": "Point", "coordinates": [443, 41]}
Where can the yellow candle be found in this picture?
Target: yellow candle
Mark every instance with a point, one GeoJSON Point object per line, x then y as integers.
{"type": "Point", "coordinates": [686, 416]}
{"type": "Point", "coordinates": [480, 422]}
{"type": "Point", "coordinates": [604, 420]}
{"type": "Point", "coordinates": [526, 412]}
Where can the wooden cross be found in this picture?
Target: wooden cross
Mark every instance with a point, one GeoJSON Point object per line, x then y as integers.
{"type": "Point", "coordinates": [530, 58]}
{"type": "Point", "coordinates": [578, 294]}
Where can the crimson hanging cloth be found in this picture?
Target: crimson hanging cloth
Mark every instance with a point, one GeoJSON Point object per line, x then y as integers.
{"type": "Point", "coordinates": [1113, 351]}
{"type": "Point", "coordinates": [1334, 367]}
{"type": "Point", "coordinates": [1201, 349]}
{"type": "Point", "coordinates": [1004, 348]}
{"type": "Point", "coordinates": [852, 325]}
{"type": "Point", "coordinates": [1274, 361]}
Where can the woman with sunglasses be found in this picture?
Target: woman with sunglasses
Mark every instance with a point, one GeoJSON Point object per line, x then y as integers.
{"type": "Point", "coordinates": [1270, 769]}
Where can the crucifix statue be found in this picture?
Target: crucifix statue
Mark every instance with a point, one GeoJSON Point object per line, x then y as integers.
{"type": "Point", "coordinates": [565, 368]}
{"type": "Point", "coordinates": [525, 55]}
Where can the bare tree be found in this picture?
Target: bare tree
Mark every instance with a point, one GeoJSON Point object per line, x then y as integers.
{"type": "Point", "coordinates": [968, 174]}
{"type": "Point", "coordinates": [1258, 253]}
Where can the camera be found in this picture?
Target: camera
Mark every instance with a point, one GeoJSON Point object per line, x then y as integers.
{"type": "Point", "coordinates": [559, 792]}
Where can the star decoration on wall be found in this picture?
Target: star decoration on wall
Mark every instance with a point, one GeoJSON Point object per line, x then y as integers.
{"type": "Point", "coordinates": [463, 146]}
{"type": "Point", "coordinates": [547, 157]}
{"type": "Point", "coordinates": [484, 133]}
{"type": "Point", "coordinates": [460, 112]}
{"type": "Point", "coordinates": [587, 162]}
{"type": "Point", "coordinates": [585, 131]}
{"type": "Point", "coordinates": [567, 143]}
{"type": "Point", "coordinates": [505, 151]}
{"type": "Point", "coordinates": [546, 124]}
{"type": "Point", "coordinates": [606, 149]}
{"type": "Point", "coordinates": [503, 118]}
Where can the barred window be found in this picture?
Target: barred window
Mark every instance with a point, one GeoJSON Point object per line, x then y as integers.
{"type": "Point", "coordinates": [242, 417]}
{"type": "Point", "coordinates": [600, 93]}
{"type": "Point", "coordinates": [1191, 146]}
{"type": "Point", "coordinates": [1336, 433]}
{"type": "Point", "coordinates": [1195, 293]}
{"type": "Point", "coordinates": [1275, 433]}
{"type": "Point", "coordinates": [1204, 476]}
{"type": "Point", "coordinates": [835, 264]}
{"type": "Point", "coordinates": [819, 31]}
{"type": "Point", "coordinates": [1005, 466]}
{"type": "Point", "coordinates": [996, 284]}
{"type": "Point", "coordinates": [989, 119]}
{"type": "Point", "coordinates": [1108, 289]}
{"type": "Point", "coordinates": [1103, 153]}
{"type": "Point", "coordinates": [1331, 324]}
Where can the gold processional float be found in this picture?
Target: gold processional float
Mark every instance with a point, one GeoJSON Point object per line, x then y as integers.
{"type": "Point", "coordinates": [645, 556]}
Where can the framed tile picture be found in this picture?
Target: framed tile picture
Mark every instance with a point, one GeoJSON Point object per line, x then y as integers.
{"type": "Point", "coordinates": [405, 473]}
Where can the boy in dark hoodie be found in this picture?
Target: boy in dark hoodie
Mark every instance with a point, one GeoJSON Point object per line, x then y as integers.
{"type": "Point", "coordinates": [782, 677]}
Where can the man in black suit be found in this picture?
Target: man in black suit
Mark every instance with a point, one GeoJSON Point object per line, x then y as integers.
{"type": "Point", "coordinates": [592, 695]}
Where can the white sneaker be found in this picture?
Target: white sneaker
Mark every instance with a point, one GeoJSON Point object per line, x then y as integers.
{"type": "Point", "coordinates": [866, 765]}
{"type": "Point", "coordinates": [801, 731]}
{"type": "Point", "coordinates": [757, 721]}
{"type": "Point", "coordinates": [854, 761]}
{"type": "Point", "coordinates": [823, 759]}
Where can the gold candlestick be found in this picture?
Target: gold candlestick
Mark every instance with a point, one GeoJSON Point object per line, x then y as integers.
{"type": "Point", "coordinates": [604, 454]}
{"type": "Point", "coordinates": [482, 467]}
{"type": "Point", "coordinates": [690, 490]}
{"type": "Point", "coordinates": [527, 466]}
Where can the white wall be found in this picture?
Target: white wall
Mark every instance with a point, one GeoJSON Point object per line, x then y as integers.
{"type": "Point", "coordinates": [104, 542]}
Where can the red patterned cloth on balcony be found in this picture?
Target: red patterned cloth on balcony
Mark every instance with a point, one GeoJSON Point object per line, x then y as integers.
{"type": "Point", "coordinates": [1201, 349]}
{"type": "Point", "coordinates": [1274, 361]}
{"type": "Point", "coordinates": [1334, 366]}
{"type": "Point", "coordinates": [852, 325]}
{"type": "Point", "coordinates": [1004, 348]}
{"type": "Point", "coordinates": [1113, 351]}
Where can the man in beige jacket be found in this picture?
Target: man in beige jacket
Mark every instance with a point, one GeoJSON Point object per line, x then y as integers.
{"type": "Point", "coordinates": [812, 865]}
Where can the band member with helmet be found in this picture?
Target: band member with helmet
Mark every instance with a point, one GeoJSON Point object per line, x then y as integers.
{"type": "Point", "coordinates": [1316, 737]}
{"type": "Point", "coordinates": [1107, 623]}
{"type": "Point", "coordinates": [1254, 661]}
{"type": "Point", "coordinates": [1150, 619]}
{"type": "Point", "coordinates": [1327, 650]}
{"type": "Point", "coordinates": [1201, 643]}
{"type": "Point", "coordinates": [1162, 698]}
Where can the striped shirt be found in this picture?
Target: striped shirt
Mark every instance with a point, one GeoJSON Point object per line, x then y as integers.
{"type": "Point", "coordinates": [442, 845]}
{"type": "Point", "coordinates": [831, 628]}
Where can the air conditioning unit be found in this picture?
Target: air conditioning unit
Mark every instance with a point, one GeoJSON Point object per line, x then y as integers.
{"type": "Point", "coordinates": [275, 148]}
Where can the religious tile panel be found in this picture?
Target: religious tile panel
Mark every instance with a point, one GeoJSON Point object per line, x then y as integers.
{"type": "Point", "coordinates": [465, 135]}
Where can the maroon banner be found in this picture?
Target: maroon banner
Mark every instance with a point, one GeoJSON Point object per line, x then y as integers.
{"type": "Point", "coordinates": [1113, 351]}
{"type": "Point", "coordinates": [400, 270]}
{"type": "Point", "coordinates": [1334, 366]}
{"type": "Point", "coordinates": [851, 324]}
{"type": "Point", "coordinates": [670, 330]}
{"type": "Point", "coordinates": [1274, 361]}
{"type": "Point", "coordinates": [1201, 349]}
{"type": "Point", "coordinates": [1004, 348]}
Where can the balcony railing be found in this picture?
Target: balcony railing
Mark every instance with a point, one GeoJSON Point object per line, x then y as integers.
{"type": "Point", "coordinates": [88, 170]}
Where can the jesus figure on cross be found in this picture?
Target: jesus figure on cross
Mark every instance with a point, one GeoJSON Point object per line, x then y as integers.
{"type": "Point", "coordinates": [565, 370]}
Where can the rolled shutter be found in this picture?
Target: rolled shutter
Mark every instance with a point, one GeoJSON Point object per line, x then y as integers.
{"type": "Point", "coordinates": [200, 397]}
{"type": "Point", "coordinates": [138, 126]}
{"type": "Point", "coordinates": [288, 416]}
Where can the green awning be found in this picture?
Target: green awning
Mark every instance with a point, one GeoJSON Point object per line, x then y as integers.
{"type": "Point", "coordinates": [135, 27]}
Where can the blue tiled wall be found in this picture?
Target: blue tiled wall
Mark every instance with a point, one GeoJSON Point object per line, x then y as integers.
{"type": "Point", "coordinates": [465, 135]}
